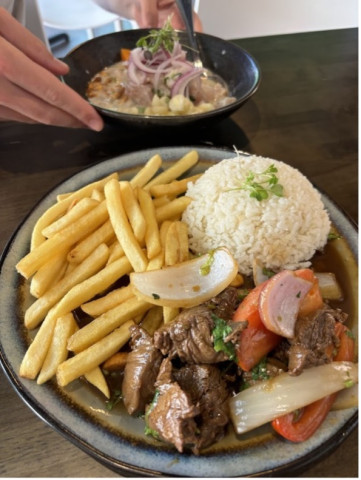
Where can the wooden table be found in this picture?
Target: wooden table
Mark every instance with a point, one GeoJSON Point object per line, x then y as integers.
{"type": "Point", "coordinates": [304, 113]}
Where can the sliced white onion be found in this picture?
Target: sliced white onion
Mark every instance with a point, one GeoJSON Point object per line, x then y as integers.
{"type": "Point", "coordinates": [283, 394]}
{"type": "Point", "coordinates": [189, 283]}
{"type": "Point", "coordinates": [329, 287]}
{"type": "Point", "coordinates": [347, 398]}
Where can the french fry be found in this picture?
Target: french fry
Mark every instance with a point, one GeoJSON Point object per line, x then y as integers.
{"type": "Point", "coordinates": [152, 237]}
{"type": "Point", "coordinates": [97, 194]}
{"type": "Point", "coordinates": [58, 209]}
{"type": "Point", "coordinates": [122, 228]}
{"type": "Point", "coordinates": [37, 310]}
{"type": "Point", "coordinates": [171, 252]}
{"type": "Point", "coordinates": [36, 353]}
{"type": "Point", "coordinates": [103, 234]}
{"type": "Point", "coordinates": [57, 353]}
{"type": "Point", "coordinates": [160, 201]}
{"type": "Point", "coordinates": [171, 257]}
{"type": "Point", "coordinates": [182, 234]}
{"type": "Point", "coordinates": [147, 172]}
{"type": "Point", "coordinates": [62, 240]}
{"type": "Point", "coordinates": [116, 251]}
{"type": "Point", "coordinates": [169, 314]}
{"type": "Point", "coordinates": [133, 211]}
{"type": "Point", "coordinates": [238, 281]}
{"type": "Point", "coordinates": [87, 289]}
{"type": "Point", "coordinates": [116, 362]}
{"type": "Point", "coordinates": [152, 319]}
{"type": "Point", "coordinates": [82, 207]}
{"type": "Point", "coordinates": [175, 171]}
{"type": "Point", "coordinates": [62, 196]}
{"type": "Point", "coordinates": [48, 274]}
{"type": "Point", "coordinates": [97, 307]}
{"type": "Point", "coordinates": [93, 356]}
{"type": "Point", "coordinates": [96, 378]}
{"type": "Point", "coordinates": [174, 188]}
{"type": "Point", "coordinates": [172, 209]}
{"type": "Point", "coordinates": [106, 323]}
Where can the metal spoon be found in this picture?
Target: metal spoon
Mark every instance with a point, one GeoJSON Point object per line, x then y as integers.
{"type": "Point", "coordinates": [186, 10]}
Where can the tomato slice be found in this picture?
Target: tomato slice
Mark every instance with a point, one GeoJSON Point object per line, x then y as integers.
{"type": "Point", "coordinates": [255, 340]}
{"type": "Point", "coordinates": [313, 300]}
{"type": "Point", "coordinates": [301, 425]}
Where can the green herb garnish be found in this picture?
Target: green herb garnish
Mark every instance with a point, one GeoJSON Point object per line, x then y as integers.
{"type": "Point", "coordinates": [155, 296]}
{"type": "Point", "coordinates": [220, 332]}
{"type": "Point", "coordinates": [157, 39]}
{"type": "Point", "coordinates": [333, 236]}
{"type": "Point", "coordinates": [259, 372]}
{"type": "Point", "coordinates": [267, 272]}
{"type": "Point", "coordinates": [206, 267]}
{"type": "Point", "coordinates": [113, 400]}
{"type": "Point", "coordinates": [261, 185]}
{"type": "Point", "coordinates": [147, 429]}
{"type": "Point", "coordinates": [242, 293]}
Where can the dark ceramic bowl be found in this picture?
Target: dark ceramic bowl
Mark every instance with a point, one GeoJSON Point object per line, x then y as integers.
{"type": "Point", "coordinates": [236, 66]}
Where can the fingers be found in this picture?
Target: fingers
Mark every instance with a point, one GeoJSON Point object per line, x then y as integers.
{"type": "Point", "coordinates": [10, 115]}
{"type": "Point", "coordinates": [171, 10]}
{"type": "Point", "coordinates": [146, 13]}
{"type": "Point", "coordinates": [19, 105]}
{"type": "Point", "coordinates": [31, 46]}
{"type": "Point", "coordinates": [33, 91]}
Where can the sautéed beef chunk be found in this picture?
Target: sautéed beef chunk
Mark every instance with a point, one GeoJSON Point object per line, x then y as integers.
{"type": "Point", "coordinates": [208, 390]}
{"type": "Point", "coordinates": [189, 336]}
{"type": "Point", "coordinates": [190, 409]}
{"type": "Point", "coordinates": [172, 414]}
{"type": "Point", "coordinates": [183, 385]}
{"type": "Point", "coordinates": [140, 371]}
{"type": "Point", "coordinates": [315, 341]}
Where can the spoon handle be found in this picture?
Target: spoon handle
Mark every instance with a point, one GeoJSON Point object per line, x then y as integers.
{"type": "Point", "coordinates": [186, 11]}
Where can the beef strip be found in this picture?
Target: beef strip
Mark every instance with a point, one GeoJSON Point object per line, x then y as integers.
{"type": "Point", "coordinates": [209, 391]}
{"type": "Point", "coordinates": [140, 372]}
{"type": "Point", "coordinates": [315, 341]}
{"type": "Point", "coordinates": [189, 335]}
{"type": "Point", "coordinates": [172, 414]}
{"type": "Point", "coordinates": [190, 409]}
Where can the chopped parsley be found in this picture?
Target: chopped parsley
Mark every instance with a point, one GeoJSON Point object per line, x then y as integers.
{"type": "Point", "coordinates": [267, 272]}
{"type": "Point", "coordinates": [147, 429]}
{"type": "Point", "coordinates": [220, 332]}
{"type": "Point", "coordinates": [259, 372]}
{"type": "Point", "coordinates": [113, 400]}
{"type": "Point", "coordinates": [261, 185]}
{"type": "Point", "coordinates": [155, 296]}
{"type": "Point", "coordinates": [157, 39]}
{"type": "Point", "coordinates": [333, 236]}
{"type": "Point", "coordinates": [206, 267]}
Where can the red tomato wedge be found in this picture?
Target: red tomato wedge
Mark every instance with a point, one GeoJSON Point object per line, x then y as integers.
{"type": "Point", "coordinates": [313, 300]}
{"type": "Point", "coordinates": [255, 341]}
{"type": "Point", "coordinates": [301, 425]}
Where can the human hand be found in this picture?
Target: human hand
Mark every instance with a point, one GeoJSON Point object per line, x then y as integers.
{"type": "Point", "coordinates": [149, 13]}
{"type": "Point", "coordinates": [30, 91]}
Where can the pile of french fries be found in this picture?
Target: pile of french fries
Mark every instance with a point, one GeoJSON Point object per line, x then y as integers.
{"type": "Point", "coordinates": [80, 247]}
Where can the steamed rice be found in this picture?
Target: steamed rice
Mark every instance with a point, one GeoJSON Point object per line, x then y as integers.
{"type": "Point", "coordinates": [278, 232]}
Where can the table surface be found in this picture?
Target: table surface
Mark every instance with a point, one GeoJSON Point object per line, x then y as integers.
{"type": "Point", "coordinates": [304, 113]}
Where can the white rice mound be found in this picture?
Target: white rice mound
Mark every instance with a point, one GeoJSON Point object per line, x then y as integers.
{"type": "Point", "coordinates": [279, 232]}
